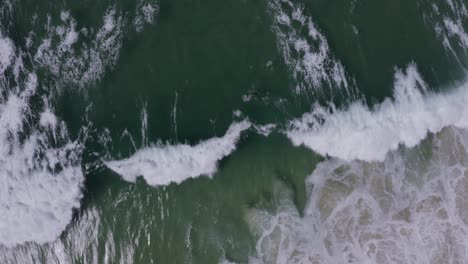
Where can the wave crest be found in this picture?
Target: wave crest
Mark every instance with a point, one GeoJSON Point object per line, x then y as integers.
{"type": "Point", "coordinates": [359, 132]}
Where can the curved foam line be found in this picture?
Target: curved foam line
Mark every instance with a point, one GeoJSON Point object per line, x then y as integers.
{"type": "Point", "coordinates": [361, 133]}
{"type": "Point", "coordinates": [162, 165]}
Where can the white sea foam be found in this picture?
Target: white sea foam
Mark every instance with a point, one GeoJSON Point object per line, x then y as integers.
{"type": "Point", "coordinates": [67, 53]}
{"type": "Point", "coordinates": [81, 244]}
{"type": "Point", "coordinates": [40, 174]}
{"type": "Point", "coordinates": [6, 53]}
{"type": "Point", "coordinates": [39, 164]}
{"type": "Point", "coordinates": [164, 164]}
{"type": "Point", "coordinates": [409, 208]}
{"type": "Point", "coordinates": [48, 119]}
{"type": "Point", "coordinates": [145, 13]}
{"type": "Point", "coordinates": [449, 24]}
{"type": "Point", "coordinates": [368, 134]}
{"type": "Point", "coordinates": [265, 130]}
{"type": "Point", "coordinates": [309, 58]}
{"type": "Point", "coordinates": [85, 64]}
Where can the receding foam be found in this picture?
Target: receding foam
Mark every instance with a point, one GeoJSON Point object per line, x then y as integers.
{"type": "Point", "coordinates": [368, 134]}
{"type": "Point", "coordinates": [409, 208]}
{"type": "Point", "coordinates": [162, 165]}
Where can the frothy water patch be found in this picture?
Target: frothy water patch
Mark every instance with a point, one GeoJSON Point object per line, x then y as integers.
{"type": "Point", "coordinates": [305, 50]}
{"type": "Point", "coordinates": [265, 130]}
{"type": "Point", "coordinates": [6, 53]}
{"type": "Point", "coordinates": [145, 13]}
{"type": "Point", "coordinates": [448, 19]}
{"type": "Point", "coordinates": [83, 55]}
{"type": "Point", "coordinates": [165, 164]}
{"type": "Point", "coordinates": [39, 170]}
{"type": "Point", "coordinates": [409, 208]}
{"type": "Point", "coordinates": [81, 245]}
{"type": "Point", "coordinates": [40, 165]}
{"type": "Point", "coordinates": [60, 54]}
{"type": "Point", "coordinates": [368, 134]}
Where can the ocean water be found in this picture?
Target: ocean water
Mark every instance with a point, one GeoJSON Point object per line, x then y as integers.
{"type": "Point", "coordinates": [235, 131]}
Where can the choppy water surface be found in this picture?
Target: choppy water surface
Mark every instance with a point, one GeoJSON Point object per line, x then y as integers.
{"type": "Point", "coordinates": [274, 131]}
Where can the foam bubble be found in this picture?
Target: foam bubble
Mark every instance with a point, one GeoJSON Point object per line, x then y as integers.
{"type": "Point", "coordinates": [361, 133]}
{"type": "Point", "coordinates": [162, 165]}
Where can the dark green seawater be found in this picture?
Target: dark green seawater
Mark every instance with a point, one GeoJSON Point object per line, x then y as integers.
{"type": "Point", "coordinates": [202, 131]}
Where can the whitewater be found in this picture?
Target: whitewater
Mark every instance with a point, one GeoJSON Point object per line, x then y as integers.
{"type": "Point", "coordinates": [393, 189]}
{"type": "Point", "coordinates": [41, 174]}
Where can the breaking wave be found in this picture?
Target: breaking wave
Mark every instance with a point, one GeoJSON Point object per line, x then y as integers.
{"type": "Point", "coordinates": [359, 132]}
{"type": "Point", "coordinates": [305, 50]}
{"type": "Point", "coordinates": [165, 164]}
